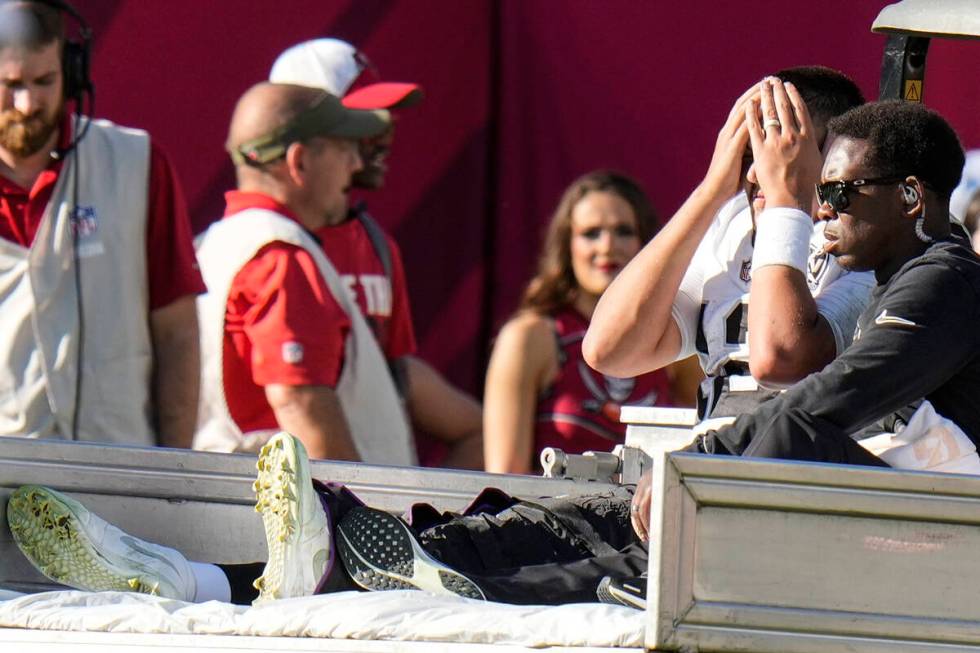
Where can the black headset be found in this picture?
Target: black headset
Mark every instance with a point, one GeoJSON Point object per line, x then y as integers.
{"type": "Point", "coordinates": [76, 55]}
{"type": "Point", "coordinates": [75, 69]}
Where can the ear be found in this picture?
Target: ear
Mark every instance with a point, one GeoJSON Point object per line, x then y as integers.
{"type": "Point", "coordinates": [913, 196]}
{"type": "Point", "coordinates": [295, 162]}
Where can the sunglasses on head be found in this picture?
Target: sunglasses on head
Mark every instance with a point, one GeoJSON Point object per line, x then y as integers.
{"type": "Point", "coordinates": [834, 193]}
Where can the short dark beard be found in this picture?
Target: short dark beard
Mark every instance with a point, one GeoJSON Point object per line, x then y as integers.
{"type": "Point", "coordinates": [371, 176]}
{"type": "Point", "coordinates": [23, 135]}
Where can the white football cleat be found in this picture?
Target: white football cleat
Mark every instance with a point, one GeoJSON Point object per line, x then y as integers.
{"type": "Point", "coordinates": [294, 520]}
{"type": "Point", "coordinates": [75, 547]}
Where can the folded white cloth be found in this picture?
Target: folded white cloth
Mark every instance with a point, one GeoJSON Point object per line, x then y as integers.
{"type": "Point", "coordinates": [397, 615]}
{"type": "Point", "coordinates": [929, 442]}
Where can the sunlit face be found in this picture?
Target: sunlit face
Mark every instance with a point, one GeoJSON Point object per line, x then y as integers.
{"type": "Point", "coordinates": [330, 163]}
{"type": "Point", "coordinates": [605, 237]}
{"type": "Point", "coordinates": [374, 154]}
{"type": "Point", "coordinates": [31, 98]}
{"type": "Point", "coordinates": [861, 236]}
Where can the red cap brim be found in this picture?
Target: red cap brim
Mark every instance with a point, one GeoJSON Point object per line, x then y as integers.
{"type": "Point", "coordinates": [384, 95]}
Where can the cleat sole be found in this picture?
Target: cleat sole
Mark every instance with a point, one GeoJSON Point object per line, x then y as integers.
{"type": "Point", "coordinates": [282, 490]}
{"type": "Point", "coordinates": [47, 532]}
{"type": "Point", "coordinates": [380, 553]}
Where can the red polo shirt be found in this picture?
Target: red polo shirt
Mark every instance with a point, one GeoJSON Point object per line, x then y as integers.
{"type": "Point", "coordinates": [282, 324]}
{"type": "Point", "coordinates": [172, 270]}
{"type": "Point", "coordinates": [382, 300]}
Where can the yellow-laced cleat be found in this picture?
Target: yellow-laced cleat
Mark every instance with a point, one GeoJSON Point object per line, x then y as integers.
{"type": "Point", "coordinates": [294, 520]}
{"type": "Point", "coordinates": [75, 547]}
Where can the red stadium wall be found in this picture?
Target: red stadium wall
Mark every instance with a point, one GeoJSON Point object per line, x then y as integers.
{"type": "Point", "coordinates": [522, 96]}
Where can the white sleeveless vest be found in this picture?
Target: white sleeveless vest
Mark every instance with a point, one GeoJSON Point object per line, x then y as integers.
{"type": "Point", "coordinates": [39, 321]}
{"type": "Point", "coordinates": [366, 392]}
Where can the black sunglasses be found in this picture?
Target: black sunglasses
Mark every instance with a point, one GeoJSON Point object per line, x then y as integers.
{"type": "Point", "coordinates": [834, 193]}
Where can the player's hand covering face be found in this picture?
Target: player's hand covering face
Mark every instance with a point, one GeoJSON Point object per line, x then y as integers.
{"type": "Point", "coordinates": [786, 156]}
{"type": "Point", "coordinates": [725, 170]}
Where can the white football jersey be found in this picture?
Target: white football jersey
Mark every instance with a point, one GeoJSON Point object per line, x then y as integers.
{"type": "Point", "coordinates": [711, 307]}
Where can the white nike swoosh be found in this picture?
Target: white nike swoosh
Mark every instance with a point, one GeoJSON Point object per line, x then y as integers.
{"type": "Point", "coordinates": [884, 318]}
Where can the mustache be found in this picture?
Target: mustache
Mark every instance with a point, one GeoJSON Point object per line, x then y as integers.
{"type": "Point", "coordinates": [14, 117]}
{"type": "Point", "coordinates": [24, 134]}
{"type": "Point", "coordinates": [375, 152]}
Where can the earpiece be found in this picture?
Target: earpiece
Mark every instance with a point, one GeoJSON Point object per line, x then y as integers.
{"type": "Point", "coordinates": [910, 194]}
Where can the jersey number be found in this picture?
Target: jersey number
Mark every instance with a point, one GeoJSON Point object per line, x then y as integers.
{"type": "Point", "coordinates": [736, 327]}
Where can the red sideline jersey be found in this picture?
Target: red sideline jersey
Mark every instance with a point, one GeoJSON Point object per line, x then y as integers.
{"type": "Point", "coordinates": [282, 324]}
{"type": "Point", "coordinates": [384, 302]}
{"type": "Point", "coordinates": [580, 411]}
{"type": "Point", "coordinates": [172, 270]}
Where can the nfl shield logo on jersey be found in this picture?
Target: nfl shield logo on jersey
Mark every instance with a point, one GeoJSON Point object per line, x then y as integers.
{"type": "Point", "coordinates": [292, 353]}
{"type": "Point", "coordinates": [84, 221]}
{"type": "Point", "coordinates": [745, 273]}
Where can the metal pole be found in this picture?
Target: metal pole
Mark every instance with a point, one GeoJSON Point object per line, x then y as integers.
{"type": "Point", "coordinates": [903, 68]}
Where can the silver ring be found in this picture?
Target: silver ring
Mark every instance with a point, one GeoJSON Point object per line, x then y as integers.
{"type": "Point", "coordinates": [771, 122]}
{"type": "Point", "coordinates": [634, 508]}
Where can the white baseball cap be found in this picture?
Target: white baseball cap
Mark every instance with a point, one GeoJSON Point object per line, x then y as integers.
{"type": "Point", "coordinates": [335, 65]}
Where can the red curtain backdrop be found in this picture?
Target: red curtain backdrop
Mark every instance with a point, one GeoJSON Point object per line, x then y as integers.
{"type": "Point", "coordinates": [521, 97]}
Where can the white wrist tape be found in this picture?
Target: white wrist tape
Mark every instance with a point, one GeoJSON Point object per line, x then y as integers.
{"type": "Point", "coordinates": [782, 237]}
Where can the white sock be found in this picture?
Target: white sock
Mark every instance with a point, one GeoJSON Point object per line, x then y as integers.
{"type": "Point", "coordinates": [212, 584]}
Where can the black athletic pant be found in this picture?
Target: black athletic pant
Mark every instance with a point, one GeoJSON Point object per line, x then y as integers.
{"type": "Point", "coordinates": [550, 551]}
{"type": "Point", "coordinates": [240, 578]}
{"type": "Point", "coordinates": [555, 551]}
{"type": "Point", "coordinates": [791, 435]}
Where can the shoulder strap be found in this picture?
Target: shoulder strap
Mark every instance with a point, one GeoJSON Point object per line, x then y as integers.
{"type": "Point", "coordinates": [377, 237]}
{"type": "Point", "coordinates": [383, 252]}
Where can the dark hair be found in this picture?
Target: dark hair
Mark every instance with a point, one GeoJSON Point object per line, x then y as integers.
{"type": "Point", "coordinates": [554, 285]}
{"type": "Point", "coordinates": [906, 138]}
{"type": "Point", "coordinates": [827, 92]}
{"type": "Point", "coordinates": [30, 25]}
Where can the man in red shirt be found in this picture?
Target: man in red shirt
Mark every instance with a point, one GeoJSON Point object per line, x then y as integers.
{"type": "Point", "coordinates": [369, 259]}
{"type": "Point", "coordinates": [99, 273]}
{"type": "Point", "coordinates": [285, 346]}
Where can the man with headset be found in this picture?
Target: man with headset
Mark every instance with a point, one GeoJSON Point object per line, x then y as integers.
{"type": "Point", "coordinates": [369, 261]}
{"type": "Point", "coordinates": [99, 334]}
